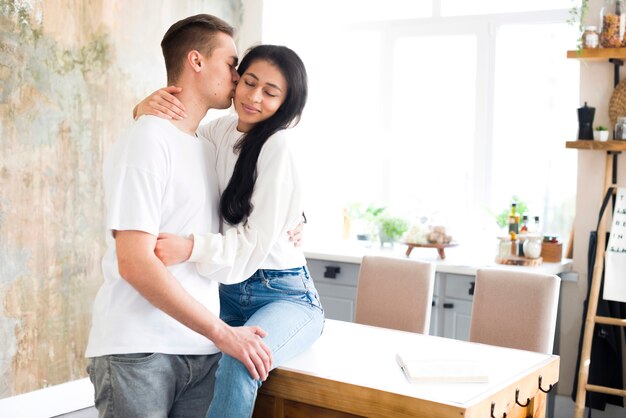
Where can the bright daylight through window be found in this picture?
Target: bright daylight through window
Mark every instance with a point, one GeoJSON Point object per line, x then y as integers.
{"type": "Point", "coordinates": [434, 109]}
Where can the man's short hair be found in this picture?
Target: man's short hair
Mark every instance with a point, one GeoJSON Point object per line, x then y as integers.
{"type": "Point", "coordinates": [192, 33]}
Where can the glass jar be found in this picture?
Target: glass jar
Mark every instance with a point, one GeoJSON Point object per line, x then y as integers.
{"type": "Point", "coordinates": [612, 24]}
{"type": "Point", "coordinates": [620, 128]}
{"type": "Point", "coordinates": [591, 39]}
{"type": "Point", "coordinates": [504, 247]}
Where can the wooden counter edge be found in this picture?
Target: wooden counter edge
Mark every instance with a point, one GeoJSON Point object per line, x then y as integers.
{"type": "Point", "coordinates": [504, 399]}
{"type": "Point", "coordinates": [351, 399]}
{"type": "Point", "coordinates": [285, 385]}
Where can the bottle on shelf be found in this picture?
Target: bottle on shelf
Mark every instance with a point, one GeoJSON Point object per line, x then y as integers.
{"type": "Point", "coordinates": [536, 230]}
{"type": "Point", "coordinates": [514, 219]}
{"type": "Point", "coordinates": [523, 231]}
{"type": "Point", "coordinates": [524, 227]}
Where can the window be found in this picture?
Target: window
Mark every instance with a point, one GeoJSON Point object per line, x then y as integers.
{"type": "Point", "coordinates": [436, 116]}
{"type": "Point", "coordinates": [464, 7]}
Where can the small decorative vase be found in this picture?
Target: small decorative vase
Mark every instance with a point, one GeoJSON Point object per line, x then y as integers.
{"type": "Point", "coordinates": [601, 135]}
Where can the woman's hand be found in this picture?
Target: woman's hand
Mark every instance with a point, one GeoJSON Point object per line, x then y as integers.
{"type": "Point", "coordinates": [162, 103]}
{"type": "Point", "coordinates": [295, 235]}
{"type": "Point", "coordinates": [172, 249]}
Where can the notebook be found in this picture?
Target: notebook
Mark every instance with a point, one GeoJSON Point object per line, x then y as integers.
{"type": "Point", "coordinates": [428, 370]}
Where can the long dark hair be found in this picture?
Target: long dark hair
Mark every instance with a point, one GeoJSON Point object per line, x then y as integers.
{"type": "Point", "coordinates": [235, 204]}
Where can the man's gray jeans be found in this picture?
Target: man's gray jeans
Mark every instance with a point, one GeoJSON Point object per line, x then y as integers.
{"type": "Point", "coordinates": [153, 385]}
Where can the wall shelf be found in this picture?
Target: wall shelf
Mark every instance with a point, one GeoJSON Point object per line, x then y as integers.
{"type": "Point", "coordinates": [597, 145]}
{"type": "Point", "coordinates": [598, 54]}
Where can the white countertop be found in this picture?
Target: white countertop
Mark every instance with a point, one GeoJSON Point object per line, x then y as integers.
{"type": "Point", "coordinates": [365, 356]}
{"type": "Point", "coordinates": [462, 259]}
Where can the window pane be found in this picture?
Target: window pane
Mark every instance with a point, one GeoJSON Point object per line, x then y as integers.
{"type": "Point", "coordinates": [433, 126]}
{"type": "Point", "coordinates": [338, 142]}
{"type": "Point", "coordinates": [536, 96]}
{"type": "Point", "coordinates": [345, 11]}
{"type": "Point", "coordinates": [478, 7]}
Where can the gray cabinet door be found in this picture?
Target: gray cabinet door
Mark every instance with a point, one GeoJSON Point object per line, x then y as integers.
{"type": "Point", "coordinates": [434, 317]}
{"type": "Point", "coordinates": [457, 316]}
{"type": "Point", "coordinates": [338, 301]}
{"type": "Point", "coordinates": [336, 284]}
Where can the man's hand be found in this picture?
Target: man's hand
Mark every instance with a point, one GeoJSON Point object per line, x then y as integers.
{"type": "Point", "coordinates": [139, 266]}
{"type": "Point", "coordinates": [162, 103]}
{"type": "Point", "coordinates": [245, 344]}
{"type": "Point", "coordinates": [172, 249]}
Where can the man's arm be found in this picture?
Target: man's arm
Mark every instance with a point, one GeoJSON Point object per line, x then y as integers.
{"type": "Point", "coordinates": [140, 267]}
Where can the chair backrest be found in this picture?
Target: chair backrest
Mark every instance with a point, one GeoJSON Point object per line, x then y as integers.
{"type": "Point", "coordinates": [515, 309]}
{"type": "Point", "coordinates": [395, 293]}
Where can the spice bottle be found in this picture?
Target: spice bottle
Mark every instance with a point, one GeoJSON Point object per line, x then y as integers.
{"type": "Point", "coordinates": [524, 228]}
{"type": "Point", "coordinates": [513, 219]}
{"type": "Point", "coordinates": [591, 39]}
{"type": "Point", "coordinates": [612, 24]}
{"type": "Point", "coordinates": [537, 229]}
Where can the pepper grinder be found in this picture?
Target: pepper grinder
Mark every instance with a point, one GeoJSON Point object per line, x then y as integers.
{"type": "Point", "coordinates": [585, 122]}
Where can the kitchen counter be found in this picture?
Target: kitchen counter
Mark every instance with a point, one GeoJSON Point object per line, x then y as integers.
{"type": "Point", "coordinates": [352, 371]}
{"type": "Point", "coordinates": [463, 259]}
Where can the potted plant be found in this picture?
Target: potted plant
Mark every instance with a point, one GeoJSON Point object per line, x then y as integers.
{"type": "Point", "coordinates": [391, 229]}
{"type": "Point", "coordinates": [601, 133]}
{"type": "Point", "coordinates": [365, 220]}
{"type": "Point", "coordinates": [576, 17]}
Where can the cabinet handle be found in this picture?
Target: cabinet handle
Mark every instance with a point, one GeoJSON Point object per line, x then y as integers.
{"type": "Point", "coordinates": [470, 291]}
{"type": "Point", "coordinates": [448, 305]}
{"type": "Point", "coordinates": [433, 304]}
{"type": "Point", "coordinates": [331, 272]}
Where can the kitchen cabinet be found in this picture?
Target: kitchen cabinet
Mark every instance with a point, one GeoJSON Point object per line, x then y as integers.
{"type": "Point", "coordinates": [335, 271]}
{"type": "Point", "coordinates": [336, 283]}
{"type": "Point", "coordinates": [456, 308]}
{"type": "Point", "coordinates": [434, 318]}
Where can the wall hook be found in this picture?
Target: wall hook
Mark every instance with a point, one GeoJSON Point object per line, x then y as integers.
{"type": "Point", "coordinates": [493, 407]}
{"type": "Point", "coordinates": [517, 399]}
{"type": "Point", "coordinates": [542, 389]}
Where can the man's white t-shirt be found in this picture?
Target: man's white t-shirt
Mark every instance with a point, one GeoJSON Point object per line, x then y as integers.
{"type": "Point", "coordinates": [156, 179]}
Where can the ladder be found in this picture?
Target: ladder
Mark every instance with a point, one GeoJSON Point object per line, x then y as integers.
{"type": "Point", "coordinates": [594, 293]}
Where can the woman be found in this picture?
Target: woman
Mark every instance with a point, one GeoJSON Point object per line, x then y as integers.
{"type": "Point", "coordinates": [260, 200]}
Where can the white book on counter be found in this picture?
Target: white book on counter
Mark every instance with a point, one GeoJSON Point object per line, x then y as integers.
{"type": "Point", "coordinates": [429, 370]}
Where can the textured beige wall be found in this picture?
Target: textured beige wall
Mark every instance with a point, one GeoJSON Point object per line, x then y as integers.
{"type": "Point", "coordinates": [70, 72]}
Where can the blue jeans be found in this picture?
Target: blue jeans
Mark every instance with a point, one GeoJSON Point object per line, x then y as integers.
{"type": "Point", "coordinates": [152, 385]}
{"type": "Point", "coordinates": [284, 303]}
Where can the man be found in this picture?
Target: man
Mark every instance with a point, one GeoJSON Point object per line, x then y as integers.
{"type": "Point", "coordinates": [154, 347]}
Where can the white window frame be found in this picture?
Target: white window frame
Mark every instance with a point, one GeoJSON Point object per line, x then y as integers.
{"type": "Point", "coordinates": [485, 28]}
